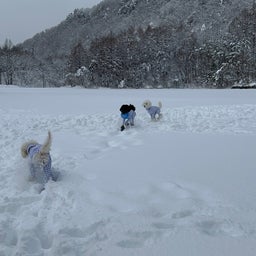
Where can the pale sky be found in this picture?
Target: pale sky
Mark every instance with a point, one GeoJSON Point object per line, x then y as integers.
{"type": "Point", "coordinates": [22, 19]}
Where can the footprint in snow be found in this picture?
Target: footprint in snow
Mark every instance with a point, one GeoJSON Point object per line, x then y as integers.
{"type": "Point", "coordinates": [137, 239]}
{"type": "Point", "coordinates": [214, 227]}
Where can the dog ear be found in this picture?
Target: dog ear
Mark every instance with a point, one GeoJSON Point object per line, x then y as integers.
{"type": "Point", "coordinates": [132, 107]}
{"type": "Point", "coordinates": [23, 150]}
{"type": "Point", "coordinates": [124, 109]}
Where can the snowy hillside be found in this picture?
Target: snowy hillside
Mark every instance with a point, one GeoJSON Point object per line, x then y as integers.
{"type": "Point", "coordinates": [182, 186]}
{"type": "Point", "coordinates": [136, 44]}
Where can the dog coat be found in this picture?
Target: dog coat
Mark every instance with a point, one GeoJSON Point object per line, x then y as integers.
{"type": "Point", "coordinates": [153, 111]}
{"type": "Point", "coordinates": [129, 117]}
{"type": "Point", "coordinates": [32, 150]}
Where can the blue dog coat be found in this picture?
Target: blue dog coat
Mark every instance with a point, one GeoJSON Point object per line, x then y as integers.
{"type": "Point", "coordinates": [35, 170]}
{"type": "Point", "coordinates": [129, 117]}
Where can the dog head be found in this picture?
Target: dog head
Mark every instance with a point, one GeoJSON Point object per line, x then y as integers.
{"type": "Point", "coordinates": [147, 104]}
{"type": "Point", "coordinates": [24, 148]}
{"type": "Point", "coordinates": [127, 108]}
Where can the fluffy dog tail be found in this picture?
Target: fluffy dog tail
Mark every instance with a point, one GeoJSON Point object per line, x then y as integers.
{"type": "Point", "coordinates": [160, 104]}
{"type": "Point", "coordinates": [46, 147]}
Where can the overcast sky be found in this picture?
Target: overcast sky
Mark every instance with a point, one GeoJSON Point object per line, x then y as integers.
{"type": "Point", "coordinates": [22, 19]}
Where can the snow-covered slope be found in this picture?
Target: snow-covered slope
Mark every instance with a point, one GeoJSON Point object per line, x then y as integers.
{"type": "Point", "coordinates": [181, 186]}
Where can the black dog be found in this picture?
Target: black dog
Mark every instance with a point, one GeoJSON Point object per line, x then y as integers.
{"type": "Point", "coordinates": [128, 114]}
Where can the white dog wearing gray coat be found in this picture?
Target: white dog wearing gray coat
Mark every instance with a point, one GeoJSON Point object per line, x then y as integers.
{"type": "Point", "coordinates": [39, 159]}
{"type": "Point", "coordinates": [154, 111]}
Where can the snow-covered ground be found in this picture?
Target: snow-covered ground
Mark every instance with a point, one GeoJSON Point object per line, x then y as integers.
{"type": "Point", "coordinates": [182, 186]}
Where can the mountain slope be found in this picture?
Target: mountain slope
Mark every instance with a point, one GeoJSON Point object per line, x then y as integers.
{"type": "Point", "coordinates": [207, 18]}
{"type": "Point", "coordinates": [141, 43]}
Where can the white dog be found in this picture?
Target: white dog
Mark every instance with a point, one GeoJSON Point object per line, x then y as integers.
{"type": "Point", "coordinates": [39, 159]}
{"type": "Point", "coordinates": [154, 111]}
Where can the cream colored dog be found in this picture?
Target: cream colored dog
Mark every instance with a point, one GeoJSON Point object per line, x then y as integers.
{"type": "Point", "coordinates": [39, 159]}
{"type": "Point", "coordinates": [154, 111]}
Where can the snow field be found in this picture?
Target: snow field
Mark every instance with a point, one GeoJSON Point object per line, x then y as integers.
{"type": "Point", "coordinates": [184, 184]}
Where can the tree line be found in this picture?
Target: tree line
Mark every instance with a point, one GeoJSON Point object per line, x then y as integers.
{"type": "Point", "coordinates": [167, 56]}
{"type": "Point", "coordinates": [21, 67]}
